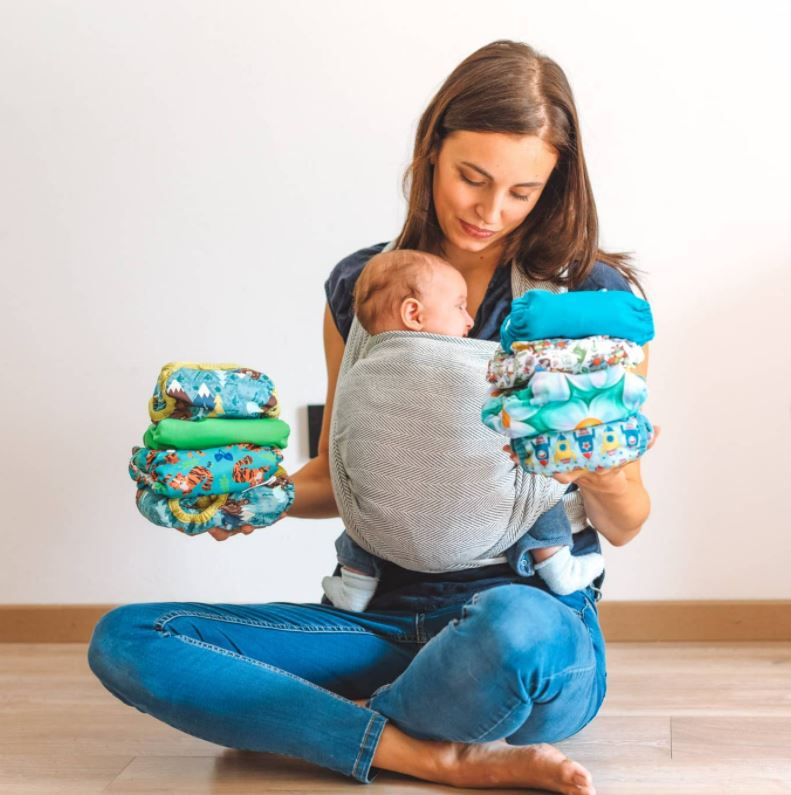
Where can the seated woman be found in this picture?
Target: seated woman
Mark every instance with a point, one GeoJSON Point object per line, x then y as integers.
{"type": "Point", "coordinates": [463, 677]}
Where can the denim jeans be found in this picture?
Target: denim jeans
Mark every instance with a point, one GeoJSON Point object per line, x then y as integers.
{"type": "Point", "coordinates": [513, 662]}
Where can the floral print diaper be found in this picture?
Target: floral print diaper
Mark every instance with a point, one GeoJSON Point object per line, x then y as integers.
{"type": "Point", "coordinates": [553, 401]}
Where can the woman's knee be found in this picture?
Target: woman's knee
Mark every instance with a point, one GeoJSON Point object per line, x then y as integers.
{"type": "Point", "coordinates": [519, 625]}
{"type": "Point", "coordinates": [119, 639]}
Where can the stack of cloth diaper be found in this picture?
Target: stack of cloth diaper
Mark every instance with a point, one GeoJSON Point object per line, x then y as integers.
{"type": "Point", "coordinates": [212, 455]}
{"type": "Point", "coordinates": [564, 391]}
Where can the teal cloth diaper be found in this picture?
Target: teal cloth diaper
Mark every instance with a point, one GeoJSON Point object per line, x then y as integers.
{"type": "Point", "coordinates": [553, 401]}
{"type": "Point", "coordinates": [260, 506]}
{"type": "Point", "coordinates": [539, 314]}
{"type": "Point", "coordinates": [216, 470]}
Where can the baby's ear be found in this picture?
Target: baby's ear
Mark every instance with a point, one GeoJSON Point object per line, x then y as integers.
{"type": "Point", "coordinates": [412, 314]}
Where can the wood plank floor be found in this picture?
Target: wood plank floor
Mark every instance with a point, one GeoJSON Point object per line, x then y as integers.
{"type": "Point", "coordinates": [679, 719]}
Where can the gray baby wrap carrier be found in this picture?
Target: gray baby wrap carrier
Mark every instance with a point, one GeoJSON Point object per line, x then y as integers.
{"type": "Point", "coordinates": [419, 480]}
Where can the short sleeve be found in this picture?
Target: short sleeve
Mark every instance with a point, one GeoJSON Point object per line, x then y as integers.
{"type": "Point", "coordinates": [339, 287]}
{"type": "Point", "coordinates": [604, 277]}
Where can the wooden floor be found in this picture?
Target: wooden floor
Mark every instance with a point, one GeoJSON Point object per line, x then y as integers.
{"type": "Point", "coordinates": [679, 718]}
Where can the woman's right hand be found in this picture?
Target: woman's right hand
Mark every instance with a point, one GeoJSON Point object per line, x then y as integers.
{"type": "Point", "coordinates": [223, 535]}
{"type": "Point", "coordinates": [313, 494]}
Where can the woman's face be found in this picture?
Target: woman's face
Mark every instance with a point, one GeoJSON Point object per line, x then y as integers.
{"type": "Point", "coordinates": [486, 184]}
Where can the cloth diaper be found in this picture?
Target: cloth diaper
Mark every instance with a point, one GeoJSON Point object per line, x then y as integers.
{"type": "Point", "coordinates": [260, 506]}
{"type": "Point", "coordinates": [553, 401]}
{"type": "Point", "coordinates": [186, 390]}
{"type": "Point", "coordinates": [540, 314]}
{"type": "Point", "coordinates": [218, 470]}
{"type": "Point", "coordinates": [200, 434]}
{"type": "Point", "coordinates": [596, 447]}
{"type": "Point", "coordinates": [585, 355]}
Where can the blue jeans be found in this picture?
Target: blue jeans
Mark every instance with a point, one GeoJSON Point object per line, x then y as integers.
{"type": "Point", "coordinates": [514, 662]}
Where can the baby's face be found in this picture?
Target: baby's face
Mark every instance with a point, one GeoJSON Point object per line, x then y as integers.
{"type": "Point", "coordinates": [444, 300]}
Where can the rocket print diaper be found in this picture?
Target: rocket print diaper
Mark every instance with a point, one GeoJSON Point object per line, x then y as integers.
{"type": "Point", "coordinates": [596, 447]}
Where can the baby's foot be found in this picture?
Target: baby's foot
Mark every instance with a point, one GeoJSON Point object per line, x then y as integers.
{"type": "Point", "coordinates": [565, 573]}
{"type": "Point", "coordinates": [350, 591]}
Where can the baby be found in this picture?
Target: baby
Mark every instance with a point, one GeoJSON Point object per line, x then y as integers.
{"type": "Point", "coordinates": [406, 290]}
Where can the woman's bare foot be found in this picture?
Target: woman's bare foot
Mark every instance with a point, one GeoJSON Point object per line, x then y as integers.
{"type": "Point", "coordinates": [499, 765]}
{"type": "Point", "coordinates": [495, 765]}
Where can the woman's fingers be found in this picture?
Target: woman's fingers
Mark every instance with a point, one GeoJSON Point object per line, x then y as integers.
{"type": "Point", "coordinates": [511, 454]}
{"type": "Point", "coordinates": [567, 477]}
{"type": "Point", "coordinates": [224, 535]}
{"type": "Point", "coordinates": [657, 431]}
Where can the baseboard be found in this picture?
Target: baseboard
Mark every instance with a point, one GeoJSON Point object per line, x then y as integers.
{"type": "Point", "coordinates": [621, 621]}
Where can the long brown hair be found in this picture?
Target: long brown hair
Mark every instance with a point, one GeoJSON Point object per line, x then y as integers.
{"type": "Point", "coordinates": [508, 87]}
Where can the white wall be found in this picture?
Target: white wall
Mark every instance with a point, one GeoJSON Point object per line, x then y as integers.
{"type": "Point", "coordinates": [177, 179]}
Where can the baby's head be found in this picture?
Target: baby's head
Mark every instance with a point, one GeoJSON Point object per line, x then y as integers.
{"type": "Point", "coordinates": [406, 290]}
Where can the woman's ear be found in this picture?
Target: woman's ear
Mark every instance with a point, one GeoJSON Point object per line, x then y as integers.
{"type": "Point", "coordinates": [434, 153]}
{"type": "Point", "coordinates": [412, 315]}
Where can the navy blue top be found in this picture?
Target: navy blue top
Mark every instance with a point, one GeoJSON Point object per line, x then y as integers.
{"type": "Point", "coordinates": [401, 589]}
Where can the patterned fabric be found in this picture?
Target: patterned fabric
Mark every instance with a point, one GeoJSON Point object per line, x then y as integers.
{"type": "Point", "coordinates": [596, 447]}
{"type": "Point", "coordinates": [586, 355]}
{"type": "Point", "coordinates": [554, 401]}
{"type": "Point", "coordinates": [191, 391]}
{"type": "Point", "coordinates": [218, 470]}
{"type": "Point", "coordinates": [540, 314]}
{"type": "Point", "coordinates": [260, 507]}
{"type": "Point", "coordinates": [198, 435]}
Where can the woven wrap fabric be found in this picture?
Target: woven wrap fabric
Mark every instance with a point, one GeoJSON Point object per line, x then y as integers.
{"type": "Point", "coordinates": [418, 479]}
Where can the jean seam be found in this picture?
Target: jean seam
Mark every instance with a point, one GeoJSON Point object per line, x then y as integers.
{"type": "Point", "coordinates": [165, 619]}
{"type": "Point", "coordinates": [567, 672]}
{"type": "Point", "coordinates": [376, 724]}
{"type": "Point", "coordinates": [381, 690]}
{"type": "Point", "coordinates": [519, 703]}
{"type": "Point", "coordinates": [227, 653]}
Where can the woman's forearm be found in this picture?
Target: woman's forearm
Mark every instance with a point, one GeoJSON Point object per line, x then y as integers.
{"type": "Point", "coordinates": [616, 506]}
{"type": "Point", "coordinates": [313, 494]}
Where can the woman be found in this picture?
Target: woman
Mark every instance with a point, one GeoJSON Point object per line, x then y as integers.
{"type": "Point", "coordinates": [456, 678]}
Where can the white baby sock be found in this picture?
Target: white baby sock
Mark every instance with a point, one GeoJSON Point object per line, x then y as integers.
{"type": "Point", "coordinates": [565, 573]}
{"type": "Point", "coordinates": [350, 591]}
